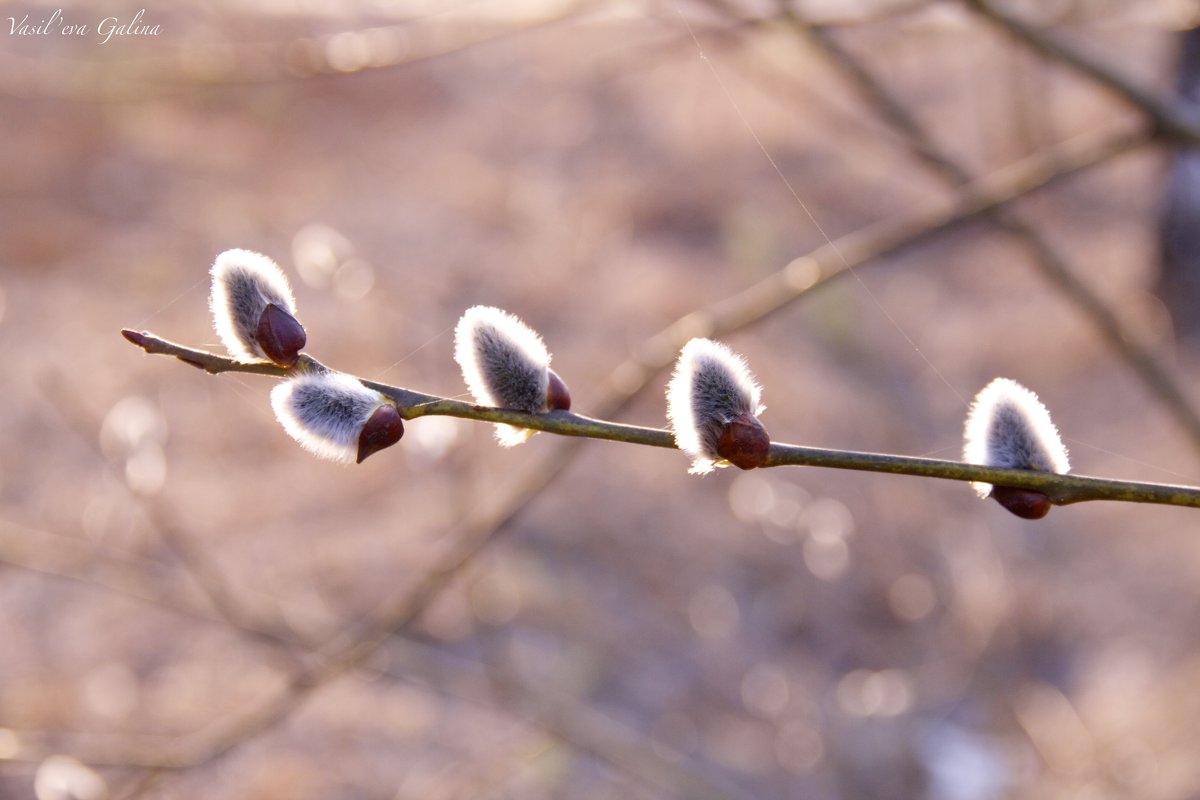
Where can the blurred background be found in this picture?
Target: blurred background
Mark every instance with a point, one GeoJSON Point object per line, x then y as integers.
{"type": "Point", "coordinates": [169, 557]}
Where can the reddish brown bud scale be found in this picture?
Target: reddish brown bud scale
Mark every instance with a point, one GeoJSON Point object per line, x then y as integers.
{"type": "Point", "coordinates": [1025, 503]}
{"type": "Point", "coordinates": [383, 429]}
{"type": "Point", "coordinates": [744, 442]}
{"type": "Point", "coordinates": [280, 335]}
{"type": "Point", "coordinates": [558, 398]}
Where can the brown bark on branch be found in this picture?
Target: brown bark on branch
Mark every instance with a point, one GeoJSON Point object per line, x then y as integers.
{"type": "Point", "coordinates": [1061, 489]}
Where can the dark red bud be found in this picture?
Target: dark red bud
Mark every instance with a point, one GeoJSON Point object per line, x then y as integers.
{"type": "Point", "coordinates": [280, 335]}
{"type": "Point", "coordinates": [558, 398]}
{"type": "Point", "coordinates": [1025, 503]}
{"type": "Point", "coordinates": [137, 338]}
{"type": "Point", "coordinates": [744, 442]}
{"type": "Point", "coordinates": [383, 429]}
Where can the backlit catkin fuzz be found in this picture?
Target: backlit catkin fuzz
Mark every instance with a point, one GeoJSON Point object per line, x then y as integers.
{"type": "Point", "coordinates": [506, 365]}
{"type": "Point", "coordinates": [1008, 427]}
{"type": "Point", "coordinates": [334, 416]}
{"type": "Point", "coordinates": [713, 403]}
{"type": "Point", "coordinates": [253, 310]}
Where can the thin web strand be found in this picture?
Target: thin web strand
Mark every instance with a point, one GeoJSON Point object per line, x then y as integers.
{"type": "Point", "coordinates": [804, 206]}
{"type": "Point", "coordinates": [199, 282]}
{"type": "Point", "coordinates": [380, 375]}
{"type": "Point", "coordinates": [833, 246]}
{"type": "Point", "coordinates": [1136, 461]}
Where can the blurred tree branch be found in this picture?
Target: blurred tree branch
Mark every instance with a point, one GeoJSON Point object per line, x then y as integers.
{"type": "Point", "coordinates": [66, 558]}
{"type": "Point", "coordinates": [1053, 265]}
{"type": "Point", "coordinates": [546, 709]}
{"type": "Point", "coordinates": [1172, 121]}
{"type": "Point", "coordinates": [777, 291]}
{"type": "Point", "coordinates": [204, 571]}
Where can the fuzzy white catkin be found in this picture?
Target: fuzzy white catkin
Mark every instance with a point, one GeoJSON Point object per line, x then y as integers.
{"type": "Point", "coordinates": [1009, 427]}
{"type": "Point", "coordinates": [710, 386]}
{"type": "Point", "coordinates": [243, 283]}
{"type": "Point", "coordinates": [504, 363]}
{"type": "Point", "coordinates": [325, 412]}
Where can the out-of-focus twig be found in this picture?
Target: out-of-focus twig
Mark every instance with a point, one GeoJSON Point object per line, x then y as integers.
{"type": "Point", "coordinates": [778, 290]}
{"type": "Point", "coordinates": [881, 13]}
{"type": "Point", "coordinates": [204, 571]}
{"type": "Point", "coordinates": [591, 731]}
{"type": "Point", "coordinates": [1053, 265]}
{"type": "Point", "coordinates": [1171, 120]}
{"type": "Point", "coordinates": [71, 559]}
{"type": "Point", "coordinates": [63, 557]}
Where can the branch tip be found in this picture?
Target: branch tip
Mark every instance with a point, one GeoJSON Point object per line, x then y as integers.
{"type": "Point", "coordinates": [135, 337]}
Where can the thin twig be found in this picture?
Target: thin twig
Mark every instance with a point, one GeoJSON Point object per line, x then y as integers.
{"type": "Point", "coordinates": [1060, 489]}
{"type": "Point", "coordinates": [1172, 121]}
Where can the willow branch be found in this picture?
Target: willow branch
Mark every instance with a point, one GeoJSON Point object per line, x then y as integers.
{"type": "Point", "coordinates": [1061, 489]}
{"type": "Point", "coordinates": [1172, 121]}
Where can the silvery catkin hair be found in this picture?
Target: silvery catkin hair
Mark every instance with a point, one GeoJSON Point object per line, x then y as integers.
{"type": "Point", "coordinates": [711, 386]}
{"type": "Point", "coordinates": [504, 363]}
{"type": "Point", "coordinates": [325, 412]}
{"type": "Point", "coordinates": [1009, 427]}
{"type": "Point", "coordinates": [244, 283]}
